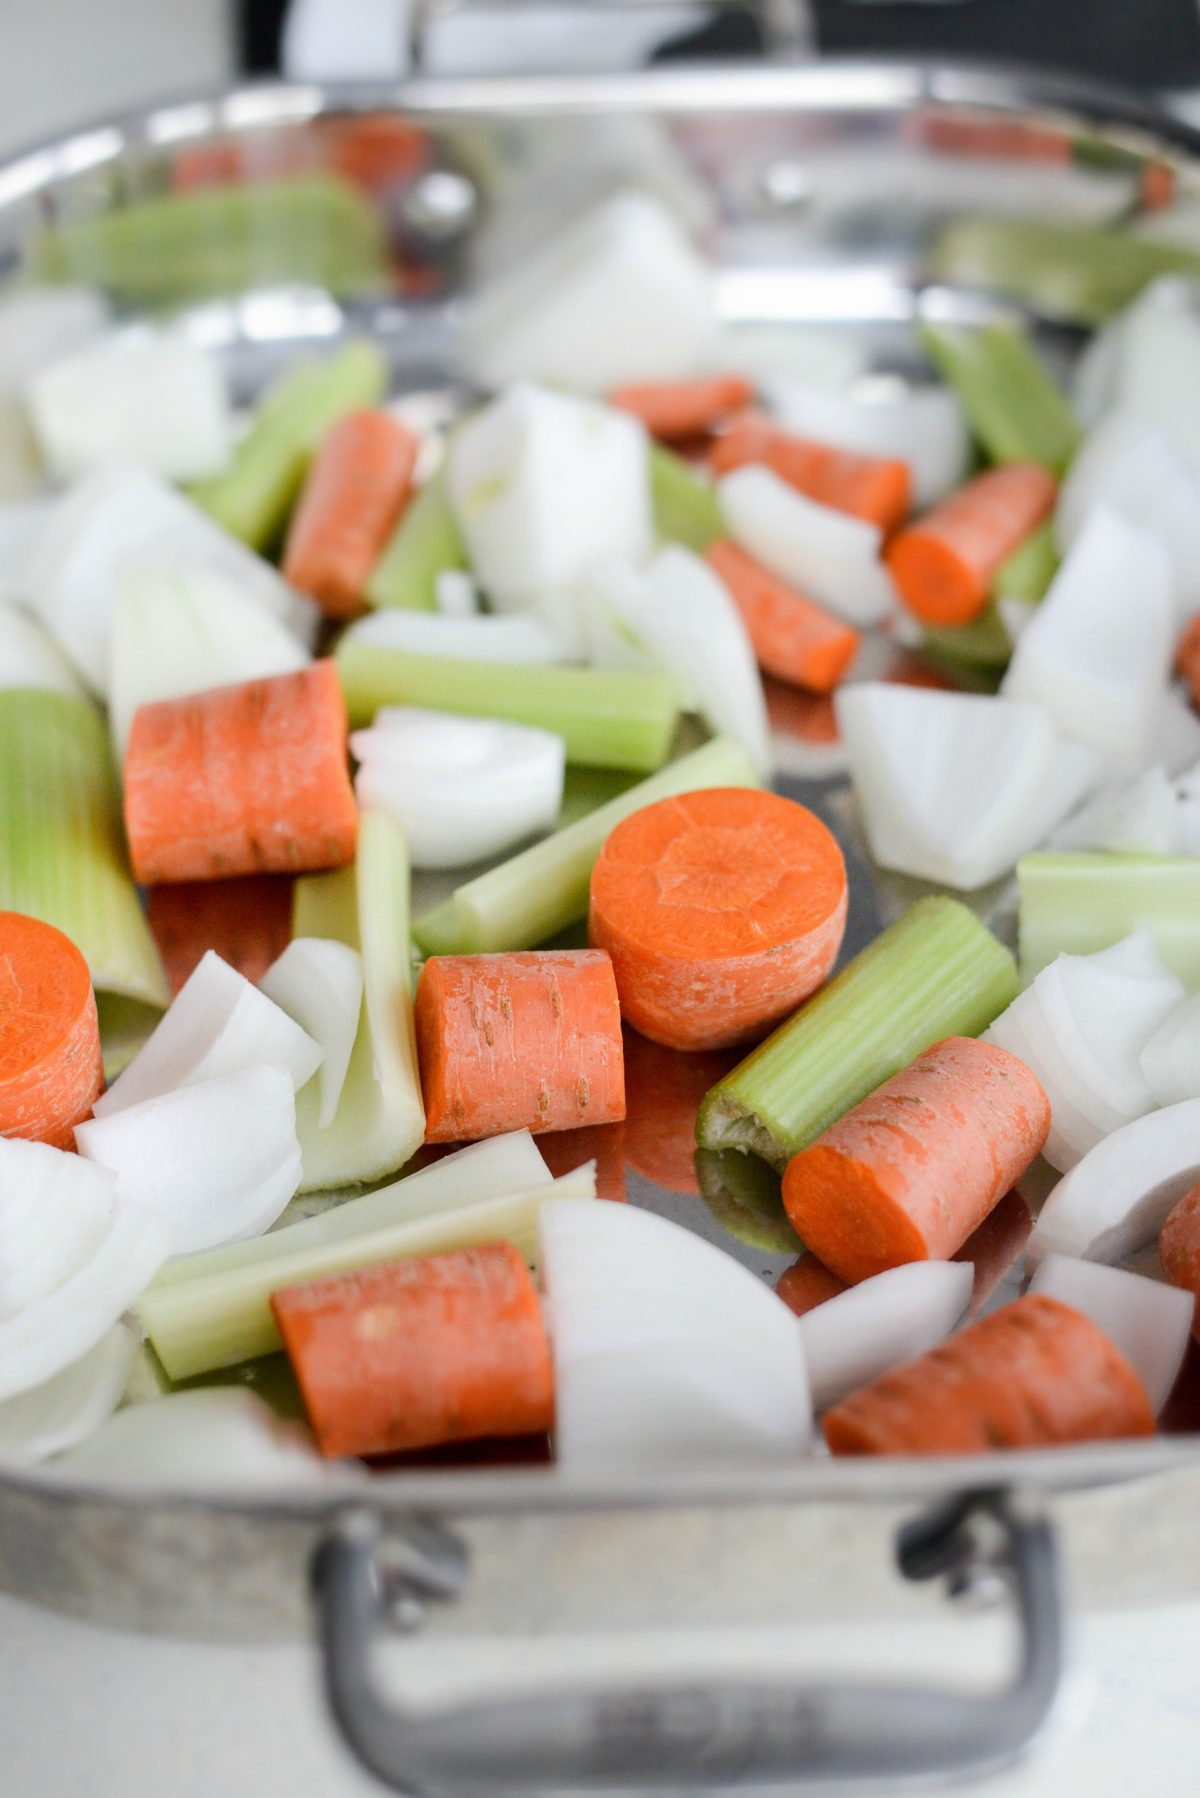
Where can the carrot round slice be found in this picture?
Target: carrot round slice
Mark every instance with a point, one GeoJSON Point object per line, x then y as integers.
{"type": "Point", "coordinates": [676, 410]}
{"type": "Point", "coordinates": [792, 637]}
{"type": "Point", "coordinates": [412, 1354]}
{"type": "Point", "coordinates": [912, 1170]}
{"type": "Point", "coordinates": [721, 910]}
{"type": "Point", "coordinates": [356, 489]}
{"type": "Point", "coordinates": [944, 563]}
{"type": "Point", "coordinates": [1034, 1373]}
{"type": "Point", "coordinates": [525, 1041]}
{"type": "Point", "coordinates": [50, 1067]}
{"type": "Point", "coordinates": [248, 779]}
{"type": "Point", "coordinates": [875, 488]}
{"type": "Point", "coordinates": [1179, 1246]}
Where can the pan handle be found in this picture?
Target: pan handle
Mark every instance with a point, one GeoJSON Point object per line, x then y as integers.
{"type": "Point", "coordinates": [702, 1736]}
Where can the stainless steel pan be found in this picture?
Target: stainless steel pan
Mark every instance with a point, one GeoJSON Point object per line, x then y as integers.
{"type": "Point", "coordinates": [818, 191]}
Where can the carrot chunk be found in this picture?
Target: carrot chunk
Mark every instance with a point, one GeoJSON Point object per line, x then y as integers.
{"type": "Point", "coordinates": [412, 1354]}
{"type": "Point", "coordinates": [1033, 1373]}
{"type": "Point", "coordinates": [673, 411]}
{"type": "Point", "coordinates": [1187, 658]}
{"type": "Point", "coordinates": [721, 910]}
{"type": "Point", "coordinates": [912, 1170]}
{"type": "Point", "coordinates": [356, 489]}
{"type": "Point", "coordinates": [525, 1041]}
{"type": "Point", "coordinates": [1179, 1246]}
{"type": "Point", "coordinates": [806, 1284]}
{"type": "Point", "coordinates": [944, 563]}
{"type": "Point", "coordinates": [249, 779]}
{"type": "Point", "coordinates": [50, 1067]}
{"type": "Point", "coordinates": [875, 488]}
{"type": "Point", "coordinates": [792, 637]}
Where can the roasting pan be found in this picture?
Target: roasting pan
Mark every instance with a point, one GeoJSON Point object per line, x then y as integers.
{"type": "Point", "coordinates": [819, 191]}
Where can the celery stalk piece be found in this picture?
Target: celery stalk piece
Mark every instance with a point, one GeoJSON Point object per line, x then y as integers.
{"type": "Point", "coordinates": [937, 971]}
{"type": "Point", "coordinates": [742, 1193]}
{"type": "Point", "coordinates": [215, 1319]}
{"type": "Point", "coordinates": [424, 544]}
{"type": "Point", "coordinates": [316, 230]}
{"type": "Point", "coordinates": [539, 892]}
{"type": "Point", "coordinates": [608, 718]}
{"type": "Point", "coordinates": [253, 498]}
{"type": "Point", "coordinates": [62, 848]}
{"type": "Point", "coordinates": [983, 643]}
{"type": "Point", "coordinates": [1080, 903]}
{"type": "Point", "coordinates": [1078, 273]}
{"type": "Point", "coordinates": [686, 510]}
{"type": "Point", "coordinates": [270, 1376]}
{"type": "Point", "coordinates": [586, 789]}
{"type": "Point", "coordinates": [1028, 572]}
{"type": "Point", "coordinates": [380, 1120]}
{"type": "Point", "coordinates": [1011, 404]}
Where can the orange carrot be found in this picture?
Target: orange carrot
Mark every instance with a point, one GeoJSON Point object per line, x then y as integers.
{"type": "Point", "coordinates": [248, 922]}
{"type": "Point", "coordinates": [944, 563]}
{"type": "Point", "coordinates": [806, 1284]}
{"type": "Point", "coordinates": [792, 637]}
{"type": "Point", "coordinates": [1179, 1246]}
{"type": "Point", "coordinates": [912, 1170]}
{"type": "Point", "coordinates": [721, 910]}
{"type": "Point", "coordinates": [995, 1248]}
{"type": "Point", "coordinates": [50, 1068]}
{"type": "Point", "coordinates": [663, 1090]}
{"type": "Point", "coordinates": [356, 489]}
{"type": "Point", "coordinates": [874, 488]}
{"type": "Point", "coordinates": [247, 779]}
{"type": "Point", "coordinates": [1187, 658]}
{"type": "Point", "coordinates": [526, 1041]}
{"type": "Point", "coordinates": [675, 410]}
{"type": "Point", "coordinates": [1034, 1373]}
{"type": "Point", "coordinates": [443, 1348]}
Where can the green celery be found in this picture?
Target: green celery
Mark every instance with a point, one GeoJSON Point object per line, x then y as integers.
{"type": "Point", "coordinates": [586, 789]}
{"type": "Point", "coordinates": [686, 509]}
{"type": "Point", "coordinates": [253, 497]}
{"type": "Point", "coordinates": [1012, 406]}
{"type": "Point", "coordinates": [608, 718]}
{"type": "Point", "coordinates": [983, 642]}
{"type": "Point", "coordinates": [937, 971]}
{"type": "Point", "coordinates": [217, 1318]}
{"type": "Point", "coordinates": [269, 1376]}
{"type": "Point", "coordinates": [62, 846]}
{"type": "Point", "coordinates": [539, 892]}
{"type": "Point", "coordinates": [424, 544]}
{"type": "Point", "coordinates": [1076, 904]}
{"type": "Point", "coordinates": [1028, 572]}
{"type": "Point", "coordinates": [315, 230]}
{"type": "Point", "coordinates": [1078, 273]}
{"type": "Point", "coordinates": [743, 1195]}
{"type": "Point", "coordinates": [380, 1120]}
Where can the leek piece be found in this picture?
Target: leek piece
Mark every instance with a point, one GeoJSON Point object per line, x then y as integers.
{"type": "Point", "coordinates": [315, 230]}
{"type": "Point", "coordinates": [425, 544]}
{"type": "Point", "coordinates": [1013, 407]}
{"type": "Point", "coordinates": [62, 848]}
{"type": "Point", "coordinates": [380, 1120]}
{"type": "Point", "coordinates": [1081, 274]}
{"type": "Point", "coordinates": [1078, 904]}
{"type": "Point", "coordinates": [253, 498]}
{"type": "Point", "coordinates": [608, 718]}
{"type": "Point", "coordinates": [937, 971]}
{"type": "Point", "coordinates": [539, 892]}
{"type": "Point", "coordinates": [686, 510]}
{"type": "Point", "coordinates": [1028, 572]}
{"type": "Point", "coordinates": [217, 1318]}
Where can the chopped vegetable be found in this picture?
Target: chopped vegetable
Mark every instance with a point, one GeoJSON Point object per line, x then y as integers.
{"type": "Point", "coordinates": [792, 638]}
{"type": "Point", "coordinates": [518, 1041]}
{"type": "Point", "coordinates": [935, 972]}
{"type": "Point", "coordinates": [675, 410]}
{"type": "Point", "coordinates": [241, 780]}
{"type": "Point", "coordinates": [1115, 1201]}
{"type": "Point", "coordinates": [30, 658]}
{"type": "Point", "coordinates": [1138, 816]}
{"type": "Point", "coordinates": [1034, 1373]}
{"type": "Point", "coordinates": [1013, 407]}
{"type": "Point", "coordinates": [1170, 1058]}
{"type": "Point", "coordinates": [1028, 572]}
{"type": "Point", "coordinates": [722, 910]}
{"type": "Point", "coordinates": [946, 564]}
{"type": "Point", "coordinates": [910, 1171]}
{"type": "Point", "coordinates": [38, 324]}
{"type": "Point", "coordinates": [424, 546]}
{"type": "Point", "coordinates": [461, 789]}
{"type": "Point", "coordinates": [1081, 903]}
{"type": "Point", "coordinates": [666, 1349]}
{"type": "Point", "coordinates": [922, 426]}
{"type": "Point", "coordinates": [607, 719]}
{"type": "Point", "coordinates": [1179, 1246]}
{"type": "Point", "coordinates": [194, 1442]}
{"type": "Point", "coordinates": [216, 1161]}
{"type": "Point", "coordinates": [1147, 363]}
{"type": "Point", "coordinates": [545, 888]}
{"type": "Point", "coordinates": [1148, 1322]}
{"type": "Point", "coordinates": [808, 1283]}
{"type": "Point", "coordinates": [686, 509]}
{"type": "Point", "coordinates": [252, 500]}
{"type": "Point", "coordinates": [872, 488]}
{"type": "Point", "coordinates": [827, 554]}
{"type": "Point", "coordinates": [319, 984]}
{"type": "Point", "coordinates": [445, 1348]}
{"type": "Point", "coordinates": [475, 637]}
{"type": "Point", "coordinates": [55, 1213]}
{"type": "Point", "coordinates": [247, 922]}
{"type": "Point", "coordinates": [355, 490]}
{"type": "Point", "coordinates": [71, 1405]}
{"type": "Point", "coordinates": [1131, 467]}
{"type": "Point", "coordinates": [858, 1334]}
{"type": "Point", "coordinates": [50, 1065]}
